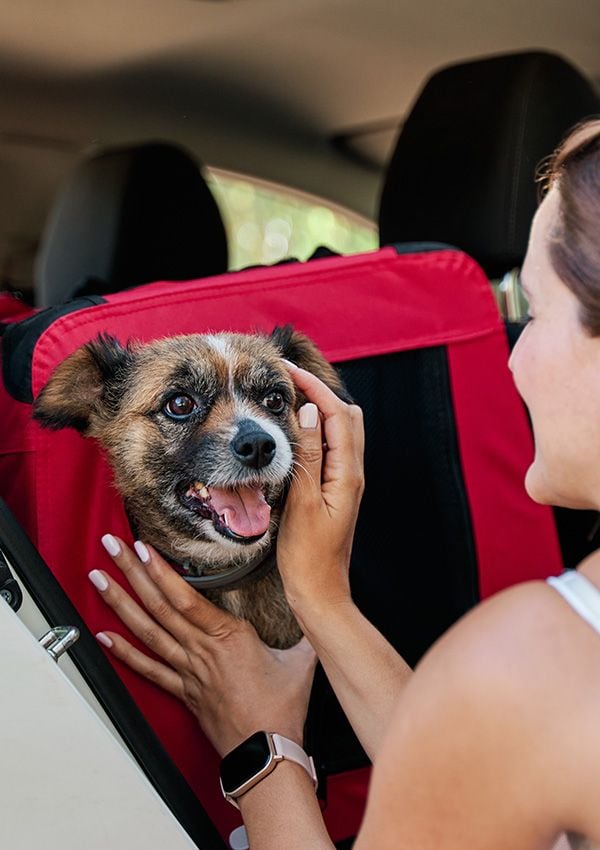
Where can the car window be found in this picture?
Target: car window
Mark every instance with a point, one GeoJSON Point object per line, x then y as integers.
{"type": "Point", "coordinates": [267, 222]}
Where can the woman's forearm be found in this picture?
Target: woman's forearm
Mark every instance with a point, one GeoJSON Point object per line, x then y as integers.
{"type": "Point", "coordinates": [365, 671]}
{"type": "Point", "coordinates": [283, 811]}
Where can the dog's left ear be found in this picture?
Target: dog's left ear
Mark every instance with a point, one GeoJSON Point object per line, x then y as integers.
{"type": "Point", "coordinates": [85, 388]}
{"type": "Point", "coordinates": [302, 351]}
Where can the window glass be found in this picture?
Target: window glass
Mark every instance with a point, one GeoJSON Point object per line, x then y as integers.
{"type": "Point", "coordinates": [267, 222]}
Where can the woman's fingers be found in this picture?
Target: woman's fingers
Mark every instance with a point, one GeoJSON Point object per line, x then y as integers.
{"type": "Point", "coordinates": [137, 620]}
{"type": "Point", "coordinates": [342, 428]}
{"type": "Point", "coordinates": [195, 609]}
{"type": "Point", "coordinates": [170, 600]}
{"type": "Point", "coordinates": [163, 676]}
{"type": "Point", "coordinates": [358, 431]}
{"type": "Point", "coordinates": [315, 390]}
{"type": "Point", "coordinates": [309, 456]}
{"type": "Point", "coordinates": [133, 566]}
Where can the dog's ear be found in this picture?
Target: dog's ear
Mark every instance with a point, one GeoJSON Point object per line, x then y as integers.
{"type": "Point", "coordinates": [89, 381]}
{"type": "Point", "coordinates": [302, 351]}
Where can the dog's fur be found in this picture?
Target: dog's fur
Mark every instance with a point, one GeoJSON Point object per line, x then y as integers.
{"type": "Point", "coordinates": [216, 410]}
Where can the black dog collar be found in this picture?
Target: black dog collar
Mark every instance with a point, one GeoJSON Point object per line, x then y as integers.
{"type": "Point", "coordinates": [232, 578]}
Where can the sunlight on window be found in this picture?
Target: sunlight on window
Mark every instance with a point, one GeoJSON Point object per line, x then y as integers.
{"type": "Point", "coordinates": [266, 222]}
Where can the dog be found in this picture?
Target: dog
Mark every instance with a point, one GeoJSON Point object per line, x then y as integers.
{"type": "Point", "coordinates": [200, 431]}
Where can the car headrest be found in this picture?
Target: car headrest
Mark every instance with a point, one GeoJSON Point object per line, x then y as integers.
{"type": "Point", "coordinates": [463, 169]}
{"type": "Point", "coordinates": [128, 216]}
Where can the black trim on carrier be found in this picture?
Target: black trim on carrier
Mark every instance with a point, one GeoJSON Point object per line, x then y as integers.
{"type": "Point", "coordinates": [20, 338]}
{"type": "Point", "coordinates": [411, 586]}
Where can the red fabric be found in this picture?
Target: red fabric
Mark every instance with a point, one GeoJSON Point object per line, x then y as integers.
{"type": "Point", "coordinates": [12, 309]}
{"type": "Point", "coordinates": [60, 486]}
{"type": "Point", "coordinates": [515, 538]}
{"type": "Point", "coordinates": [351, 306]}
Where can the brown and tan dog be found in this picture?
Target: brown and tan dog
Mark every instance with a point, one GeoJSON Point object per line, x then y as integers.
{"type": "Point", "coordinates": [200, 431]}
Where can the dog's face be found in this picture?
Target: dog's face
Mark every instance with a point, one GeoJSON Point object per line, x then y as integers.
{"type": "Point", "coordinates": [200, 431]}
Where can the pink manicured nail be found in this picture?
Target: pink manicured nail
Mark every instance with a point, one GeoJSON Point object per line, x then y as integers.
{"type": "Point", "coordinates": [98, 579]}
{"type": "Point", "coordinates": [111, 545]}
{"type": "Point", "coordinates": [289, 363]}
{"type": "Point", "coordinates": [104, 639]}
{"type": "Point", "coordinates": [308, 415]}
{"type": "Point", "coordinates": [142, 553]}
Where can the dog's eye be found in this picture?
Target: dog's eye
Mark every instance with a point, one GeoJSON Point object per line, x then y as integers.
{"type": "Point", "coordinates": [274, 402]}
{"type": "Point", "coordinates": [180, 406]}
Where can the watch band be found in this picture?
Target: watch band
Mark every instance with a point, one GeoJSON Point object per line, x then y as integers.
{"type": "Point", "coordinates": [290, 750]}
{"type": "Point", "coordinates": [237, 774]}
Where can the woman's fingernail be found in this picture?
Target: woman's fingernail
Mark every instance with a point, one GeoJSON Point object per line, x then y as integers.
{"type": "Point", "coordinates": [308, 415]}
{"type": "Point", "coordinates": [103, 638]}
{"type": "Point", "coordinates": [111, 544]}
{"type": "Point", "coordinates": [289, 363]}
{"type": "Point", "coordinates": [98, 579]}
{"type": "Point", "coordinates": [142, 552]}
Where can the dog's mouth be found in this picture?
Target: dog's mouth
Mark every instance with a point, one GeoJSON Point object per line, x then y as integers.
{"type": "Point", "coordinates": [241, 514]}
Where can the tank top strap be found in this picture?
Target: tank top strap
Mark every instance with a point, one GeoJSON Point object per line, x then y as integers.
{"type": "Point", "coordinates": [581, 594]}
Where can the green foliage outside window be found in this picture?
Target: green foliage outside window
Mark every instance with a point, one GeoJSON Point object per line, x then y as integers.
{"type": "Point", "coordinates": [267, 223]}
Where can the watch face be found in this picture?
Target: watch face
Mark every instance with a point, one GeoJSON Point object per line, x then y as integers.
{"type": "Point", "coordinates": [245, 761]}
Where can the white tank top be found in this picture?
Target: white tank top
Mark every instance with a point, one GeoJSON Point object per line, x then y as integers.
{"type": "Point", "coordinates": [584, 598]}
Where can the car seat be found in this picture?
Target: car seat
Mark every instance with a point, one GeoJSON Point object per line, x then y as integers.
{"type": "Point", "coordinates": [463, 173]}
{"type": "Point", "coordinates": [463, 168]}
{"type": "Point", "coordinates": [127, 216]}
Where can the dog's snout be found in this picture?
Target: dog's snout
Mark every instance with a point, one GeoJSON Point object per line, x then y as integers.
{"type": "Point", "coordinates": [252, 446]}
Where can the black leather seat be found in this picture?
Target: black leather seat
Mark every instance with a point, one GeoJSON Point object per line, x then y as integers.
{"type": "Point", "coordinates": [127, 216]}
{"type": "Point", "coordinates": [462, 171]}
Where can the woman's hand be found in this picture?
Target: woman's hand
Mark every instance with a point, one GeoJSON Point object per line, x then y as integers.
{"type": "Point", "coordinates": [233, 683]}
{"type": "Point", "coordinates": [315, 538]}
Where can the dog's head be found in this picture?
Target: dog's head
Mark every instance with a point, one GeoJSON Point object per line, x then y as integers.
{"type": "Point", "coordinates": [200, 431]}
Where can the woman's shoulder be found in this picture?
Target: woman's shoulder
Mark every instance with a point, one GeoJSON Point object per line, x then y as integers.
{"type": "Point", "coordinates": [527, 667]}
{"type": "Point", "coordinates": [523, 621]}
{"type": "Point", "coordinates": [526, 643]}
{"type": "Point", "coordinates": [499, 713]}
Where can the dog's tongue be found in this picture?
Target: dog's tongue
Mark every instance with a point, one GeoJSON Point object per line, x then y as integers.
{"type": "Point", "coordinates": [244, 510]}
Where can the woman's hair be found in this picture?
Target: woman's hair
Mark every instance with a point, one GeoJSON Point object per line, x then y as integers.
{"type": "Point", "coordinates": [574, 170]}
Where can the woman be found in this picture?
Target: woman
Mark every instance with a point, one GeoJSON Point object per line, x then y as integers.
{"type": "Point", "coordinates": [494, 742]}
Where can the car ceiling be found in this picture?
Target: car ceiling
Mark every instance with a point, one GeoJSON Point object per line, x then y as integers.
{"type": "Point", "coordinates": [258, 86]}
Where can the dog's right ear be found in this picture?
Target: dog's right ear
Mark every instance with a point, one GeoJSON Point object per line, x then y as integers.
{"type": "Point", "coordinates": [88, 383]}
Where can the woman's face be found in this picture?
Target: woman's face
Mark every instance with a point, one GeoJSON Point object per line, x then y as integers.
{"type": "Point", "coordinates": [556, 367]}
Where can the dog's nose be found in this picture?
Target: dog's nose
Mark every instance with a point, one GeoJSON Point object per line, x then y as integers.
{"type": "Point", "coordinates": [252, 446]}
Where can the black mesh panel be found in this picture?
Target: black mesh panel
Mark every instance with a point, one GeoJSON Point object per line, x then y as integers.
{"type": "Point", "coordinates": [413, 567]}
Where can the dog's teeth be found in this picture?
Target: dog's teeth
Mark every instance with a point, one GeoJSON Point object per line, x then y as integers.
{"type": "Point", "coordinates": [201, 489]}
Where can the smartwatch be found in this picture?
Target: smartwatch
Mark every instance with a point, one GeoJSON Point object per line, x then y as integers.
{"type": "Point", "coordinates": [257, 757]}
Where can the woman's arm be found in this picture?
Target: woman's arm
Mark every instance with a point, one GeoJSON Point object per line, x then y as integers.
{"type": "Point", "coordinates": [282, 811]}
{"type": "Point", "coordinates": [313, 554]}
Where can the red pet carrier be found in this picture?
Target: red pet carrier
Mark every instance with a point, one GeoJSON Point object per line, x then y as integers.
{"type": "Point", "coordinates": [445, 520]}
